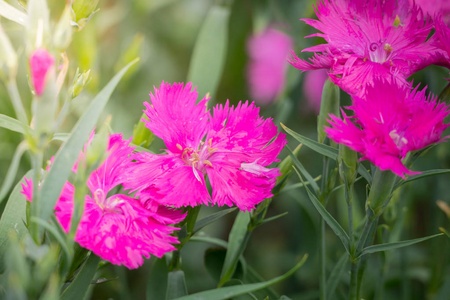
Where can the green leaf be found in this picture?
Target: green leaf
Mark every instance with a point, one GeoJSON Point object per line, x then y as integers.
{"type": "Point", "coordinates": [208, 239]}
{"type": "Point", "coordinates": [13, 218]}
{"type": "Point", "coordinates": [68, 154]}
{"type": "Point", "coordinates": [334, 225]}
{"type": "Point", "coordinates": [208, 57]}
{"type": "Point", "coordinates": [13, 124]}
{"type": "Point", "coordinates": [336, 274]}
{"type": "Point", "coordinates": [157, 280]}
{"type": "Point", "coordinates": [79, 286]}
{"type": "Point", "coordinates": [233, 291]}
{"type": "Point", "coordinates": [212, 218]}
{"type": "Point", "coordinates": [176, 286]}
{"type": "Point", "coordinates": [425, 174]}
{"type": "Point", "coordinates": [274, 218]}
{"type": "Point", "coordinates": [305, 173]}
{"type": "Point", "coordinates": [237, 241]}
{"type": "Point", "coordinates": [11, 13]}
{"type": "Point", "coordinates": [12, 170]}
{"type": "Point", "coordinates": [313, 145]}
{"type": "Point", "coordinates": [395, 245]}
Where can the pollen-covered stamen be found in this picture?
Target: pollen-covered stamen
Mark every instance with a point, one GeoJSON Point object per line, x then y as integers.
{"type": "Point", "coordinates": [400, 141]}
{"type": "Point", "coordinates": [388, 48]}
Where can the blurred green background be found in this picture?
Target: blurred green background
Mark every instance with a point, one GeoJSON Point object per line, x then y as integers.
{"type": "Point", "coordinates": [163, 33]}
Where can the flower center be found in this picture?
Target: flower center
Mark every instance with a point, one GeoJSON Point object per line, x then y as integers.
{"type": "Point", "coordinates": [379, 52]}
{"type": "Point", "coordinates": [108, 205]}
{"type": "Point", "coordinates": [197, 159]}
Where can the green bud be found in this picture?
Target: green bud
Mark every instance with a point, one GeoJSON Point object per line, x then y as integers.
{"type": "Point", "coordinates": [63, 32]}
{"type": "Point", "coordinates": [79, 82]}
{"type": "Point", "coordinates": [83, 11]}
{"type": "Point", "coordinates": [142, 136]}
{"type": "Point", "coordinates": [348, 164]}
{"type": "Point", "coordinates": [329, 105]}
{"type": "Point", "coordinates": [380, 191]}
{"type": "Point", "coordinates": [8, 57]}
{"type": "Point", "coordinates": [38, 26]}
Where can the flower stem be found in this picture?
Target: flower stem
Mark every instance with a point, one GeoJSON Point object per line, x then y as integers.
{"type": "Point", "coordinates": [323, 197]}
{"type": "Point", "coordinates": [37, 160]}
{"type": "Point", "coordinates": [17, 101]}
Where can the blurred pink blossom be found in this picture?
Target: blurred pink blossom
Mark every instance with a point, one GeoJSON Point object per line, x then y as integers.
{"type": "Point", "coordinates": [313, 82]}
{"type": "Point", "coordinates": [40, 63]}
{"type": "Point", "coordinates": [388, 122]}
{"type": "Point", "coordinates": [266, 69]}
{"type": "Point", "coordinates": [233, 147]}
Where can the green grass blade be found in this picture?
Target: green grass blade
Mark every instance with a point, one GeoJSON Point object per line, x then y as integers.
{"type": "Point", "coordinates": [395, 245]}
{"type": "Point", "coordinates": [334, 225]}
{"type": "Point", "coordinates": [208, 57]}
{"type": "Point", "coordinates": [79, 286]}
{"type": "Point", "coordinates": [13, 124]}
{"type": "Point", "coordinates": [67, 155]}
{"type": "Point", "coordinates": [11, 13]}
{"type": "Point", "coordinates": [234, 291]}
{"type": "Point", "coordinates": [12, 170]}
{"type": "Point", "coordinates": [13, 218]}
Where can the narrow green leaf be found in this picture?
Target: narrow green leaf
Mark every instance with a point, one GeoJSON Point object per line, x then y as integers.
{"type": "Point", "coordinates": [12, 170]}
{"type": "Point", "coordinates": [313, 145]}
{"type": "Point", "coordinates": [176, 285]}
{"type": "Point", "coordinates": [334, 225]}
{"type": "Point", "coordinates": [79, 286]}
{"type": "Point", "coordinates": [208, 239]}
{"type": "Point", "coordinates": [274, 218]}
{"type": "Point", "coordinates": [208, 57]}
{"type": "Point", "coordinates": [305, 173]}
{"type": "Point", "coordinates": [364, 173]}
{"type": "Point", "coordinates": [237, 242]}
{"type": "Point", "coordinates": [212, 218]}
{"type": "Point", "coordinates": [11, 13]}
{"type": "Point", "coordinates": [424, 174]}
{"type": "Point", "coordinates": [67, 155]}
{"type": "Point", "coordinates": [233, 291]}
{"type": "Point", "coordinates": [13, 218]}
{"type": "Point", "coordinates": [60, 137]}
{"type": "Point", "coordinates": [13, 124]}
{"type": "Point", "coordinates": [157, 280]}
{"type": "Point", "coordinates": [336, 274]}
{"type": "Point", "coordinates": [395, 245]}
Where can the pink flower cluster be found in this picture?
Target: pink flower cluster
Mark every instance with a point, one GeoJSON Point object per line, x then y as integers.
{"type": "Point", "coordinates": [125, 227]}
{"type": "Point", "coordinates": [372, 47]}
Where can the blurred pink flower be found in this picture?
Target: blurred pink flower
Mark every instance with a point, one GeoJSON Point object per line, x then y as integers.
{"type": "Point", "coordinates": [313, 82]}
{"type": "Point", "coordinates": [235, 153]}
{"type": "Point", "coordinates": [266, 69]}
{"type": "Point", "coordinates": [389, 122]}
{"type": "Point", "coordinates": [40, 63]}
{"type": "Point", "coordinates": [367, 39]}
{"type": "Point", "coordinates": [116, 227]}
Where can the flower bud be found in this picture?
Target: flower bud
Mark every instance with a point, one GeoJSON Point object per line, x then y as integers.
{"type": "Point", "coordinates": [348, 164]}
{"type": "Point", "coordinates": [79, 82]}
{"type": "Point", "coordinates": [40, 64]}
{"type": "Point", "coordinates": [329, 105]}
{"type": "Point", "coordinates": [83, 10]}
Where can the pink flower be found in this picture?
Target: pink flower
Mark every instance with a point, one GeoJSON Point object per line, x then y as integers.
{"type": "Point", "coordinates": [389, 122]}
{"type": "Point", "coordinates": [434, 8]}
{"type": "Point", "coordinates": [40, 63]}
{"type": "Point", "coordinates": [367, 39]}
{"type": "Point", "coordinates": [266, 70]}
{"type": "Point", "coordinates": [312, 88]}
{"type": "Point", "coordinates": [238, 146]}
{"type": "Point", "coordinates": [116, 227]}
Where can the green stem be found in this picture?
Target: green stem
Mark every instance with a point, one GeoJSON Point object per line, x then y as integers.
{"type": "Point", "coordinates": [37, 160]}
{"type": "Point", "coordinates": [353, 280]}
{"type": "Point", "coordinates": [323, 197]}
{"type": "Point", "coordinates": [17, 101]}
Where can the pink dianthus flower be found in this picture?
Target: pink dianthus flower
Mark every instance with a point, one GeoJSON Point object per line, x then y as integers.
{"type": "Point", "coordinates": [40, 63]}
{"type": "Point", "coordinates": [366, 39]}
{"type": "Point", "coordinates": [389, 122]}
{"type": "Point", "coordinates": [313, 82]}
{"type": "Point", "coordinates": [434, 8]}
{"type": "Point", "coordinates": [266, 69]}
{"type": "Point", "coordinates": [238, 146]}
{"type": "Point", "coordinates": [116, 227]}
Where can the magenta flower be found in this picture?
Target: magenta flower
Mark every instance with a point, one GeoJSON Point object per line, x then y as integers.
{"type": "Point", "coordinates": [116, 227]}
{"type": "Point", "coordinates": [266, 69]}
{"type": "Point", "coordinates": [366, 39]}
{"type": "Point", "coordinates": [389, 122]}
{"type": "Point", "coordinates": [40, 63]}
{"type": "Point", "coordinates": [434, 8]}
{"type": "Point", "coordinates": [238, 146]}
{"type": "Point", "coordinates": [313, 82]}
